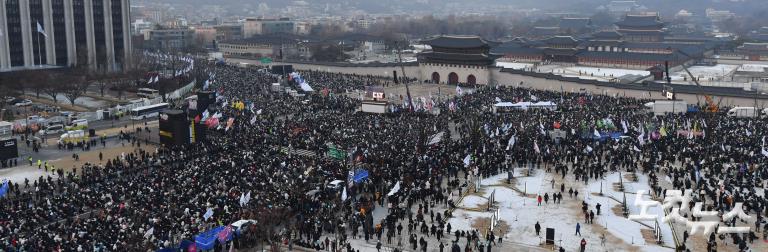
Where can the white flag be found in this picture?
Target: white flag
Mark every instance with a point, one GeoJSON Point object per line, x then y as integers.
{"type": "Point", "coordinates": [395, 189]}
{"type": "Point", "coordinates": [635, 148]}
{"type": "Point", "coordinates": [208, 214]}
{"type": "Point", "coordinates": [597, 134]}
{"type": "Point", "coordinates": [458, 90]}
{"type": "Point", "coordinates": [344, 194]}
{"type": "Point", "coordinates": [467, 160]}
{"type": "Point", "coordinates": [242, 199]}
{"type": "Point", "coordinates": [536, 147]}
{"type": "Point", "coordinates": [765, 152]}
{"type": "Point", "coordinates": [40, 30]}
{"type": "Point", "coordinates": [624, 125]}
{"type": "Point", "coordinates": [150, 231]}
{"type": "Point", "coordinates": [511, 142]}
{"type": "Point", "coordinates": [253, 120]}
{"type": "Point", "coordinates": [589, 148]}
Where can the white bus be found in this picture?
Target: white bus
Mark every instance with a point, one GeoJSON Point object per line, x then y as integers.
{"type": "Point", "coordinates": [147, 92]}
{"type": "Point", "coordinates": [141, 113]}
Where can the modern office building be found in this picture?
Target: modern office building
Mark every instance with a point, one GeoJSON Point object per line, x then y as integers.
{"type": "Point", "coordinates": [93, 32]}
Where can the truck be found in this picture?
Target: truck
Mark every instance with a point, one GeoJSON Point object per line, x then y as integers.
{"type": "Point", "coordinates": [662, 107]}
{"type": "Point", "coordinates": [73, 136]}
{"type": "Point", "coordinates": [744, 112]}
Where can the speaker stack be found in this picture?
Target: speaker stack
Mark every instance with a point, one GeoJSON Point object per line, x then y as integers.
{"type": "Point", "coordinates": [174, 128]}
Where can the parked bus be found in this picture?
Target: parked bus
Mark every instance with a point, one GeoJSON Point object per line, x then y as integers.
{"type": "Point", "coordinates": [147, 92]}
{"type": "Point", "coordinates": [141, 113]}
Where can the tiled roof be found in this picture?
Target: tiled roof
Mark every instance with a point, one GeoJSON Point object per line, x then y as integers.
{"type": "Point", "coordinates": [606, 35]}
{"type": "Point", "coordinates": [458, 42]}
{"type": "Point", "coordinates": [640, 21]}
{"type": "Point", "coordinates": [638, 56]}
{"type": "Point", "coordinates": [471, 59]}
{"type": "Point", "coordinates": [561, 40]}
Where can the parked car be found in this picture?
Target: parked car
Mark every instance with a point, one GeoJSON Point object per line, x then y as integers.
{"type": "Point", "coordinates": [23, 103]}
{"type": "Point", "coordinates": [53, 129]}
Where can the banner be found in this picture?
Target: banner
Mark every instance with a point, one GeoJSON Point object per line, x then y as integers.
{"type": "Point", "coordinates": [333, 152]}
{"type": "Point", "coordinates": [206, 240]}
{"type": "Point", "coordinates": [360, 175]}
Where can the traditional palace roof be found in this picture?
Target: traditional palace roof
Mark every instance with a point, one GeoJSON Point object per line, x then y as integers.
{"type": "Point", "coordinates": [561, 40]}
{"type": "Point", "coordinates": [460, 50]}
{"type": "Point", "coordinates": [640, 21]}
{"type": "Point", "coordinates": [606, 35]}
{"type": "Point", "coordinates": [458, 58]}
{"type": "Point", "coordinates": [674, 57]}
{"type": "Point", "coordinates": [456, 41]}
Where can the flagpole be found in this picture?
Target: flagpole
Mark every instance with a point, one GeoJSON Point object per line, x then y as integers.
{"type": "Point", "coordinates": [39, 55]}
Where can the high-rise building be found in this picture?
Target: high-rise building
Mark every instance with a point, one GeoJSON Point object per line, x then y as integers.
{"type": "Point", "coordinates": [92, 32]}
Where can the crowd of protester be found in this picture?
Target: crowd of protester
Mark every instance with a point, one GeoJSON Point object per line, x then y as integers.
{"type": "Point", "coordinates": [146, 201]}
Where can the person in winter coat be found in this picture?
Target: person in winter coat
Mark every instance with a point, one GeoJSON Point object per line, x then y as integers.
{"type": "Point", "coordinates": [538, 228]}
{"type": "Point", "coordinates": [578, 229]}
{"type": "Point", "coordinates": [583, 245]}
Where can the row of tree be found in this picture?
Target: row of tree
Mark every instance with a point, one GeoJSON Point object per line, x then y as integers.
{"type": "Point", "coordinates": [72, 83]}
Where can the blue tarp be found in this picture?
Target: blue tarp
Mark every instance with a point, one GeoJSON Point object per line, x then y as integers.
{"type": "Point", "coordinates": [3, 188]}
{"type": "Point", "coordinates": [207, 239]}
{"type": "Point", "coordinates": [185, 244]}
{"type": "Point", "coordinates": [360, 175]}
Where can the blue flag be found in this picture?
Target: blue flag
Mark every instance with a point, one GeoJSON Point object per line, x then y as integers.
{"type": "Point", "coordinates": [4, 188]}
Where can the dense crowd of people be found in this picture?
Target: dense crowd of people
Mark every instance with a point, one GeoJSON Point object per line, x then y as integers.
{"type": "Point", "coordinates": [146, 201]}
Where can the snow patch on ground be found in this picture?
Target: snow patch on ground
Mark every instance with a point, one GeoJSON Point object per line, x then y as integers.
{"type": "Point", "coordinates": [753, 68]}
{"type": "Point", "coordinates": [521, 213]}
{"type": "Point", "coordinates": [473, 201]}
{"type": "Point", "coordinates": [597, 73]}
{"type": "Point", "coordinates": [514, 65]}
{"type": "Point", "coordinates": [705, 73]}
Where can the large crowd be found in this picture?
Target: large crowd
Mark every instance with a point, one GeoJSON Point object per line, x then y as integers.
{"type": "Point", "coordinates": [146, 201]}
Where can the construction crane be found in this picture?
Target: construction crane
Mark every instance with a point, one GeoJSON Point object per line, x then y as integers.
{"type": "Point", "coordinates": [711, 105]}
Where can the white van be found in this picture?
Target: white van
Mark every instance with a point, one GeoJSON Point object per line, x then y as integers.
{"type": "Point", "coordinates": [78, 124]}
{"type": "Point", "coordinates": [743, 112]}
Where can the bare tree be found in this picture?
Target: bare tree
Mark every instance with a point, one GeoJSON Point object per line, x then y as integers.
{"type": "Point", "coordinates": [48, 86]}
{"type": "Point", "coordinates": [101, 79]}
{"type": "Point", "coordinates": [74, 85]}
